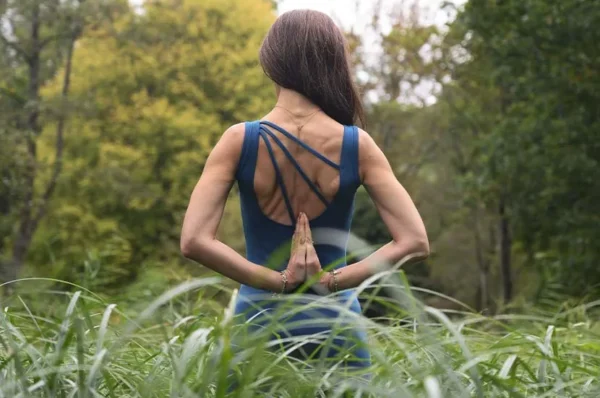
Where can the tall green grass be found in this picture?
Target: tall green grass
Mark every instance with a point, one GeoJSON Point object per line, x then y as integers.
{"type": "Point", "coordinates": [78, 345]}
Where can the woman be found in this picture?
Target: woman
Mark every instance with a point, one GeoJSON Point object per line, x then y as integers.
{"type": "Point", "coordinates": [299, 168]}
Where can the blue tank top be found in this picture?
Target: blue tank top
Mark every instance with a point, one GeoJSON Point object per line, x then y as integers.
{"type": "Point", "coordinates": [267, 241]}
{"type": "Point", "coordinates": [265, 236]}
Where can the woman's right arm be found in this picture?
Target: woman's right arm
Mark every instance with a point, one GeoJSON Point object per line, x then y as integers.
{"type": "Point", "coordinates": [396, 209]}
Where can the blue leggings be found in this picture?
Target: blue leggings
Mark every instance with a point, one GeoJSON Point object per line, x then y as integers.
{"type": "Point", "coordinates": [306, 339]}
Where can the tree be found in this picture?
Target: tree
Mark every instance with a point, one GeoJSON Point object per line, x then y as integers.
{"type": "Point", "coordinates": [538, 152]}
{"type": "Point", "coordinates": [36, 37]}
{"type": "Point", "coordinates": [154, 90]}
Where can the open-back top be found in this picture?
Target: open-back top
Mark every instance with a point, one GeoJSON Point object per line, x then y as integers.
{"type": "Point", "coordinates": [266, 237]}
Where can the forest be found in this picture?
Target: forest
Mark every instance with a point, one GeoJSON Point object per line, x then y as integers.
{"type": "Point", "coordinates": [491, 121]}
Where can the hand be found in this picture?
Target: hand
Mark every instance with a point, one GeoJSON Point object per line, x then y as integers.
{"type": "Point", "coordinates": [314, 272]}
{"type": "Point", "coordinates": [313, 265]}
{"type": "Point", "coordinates": [296, 268]}
{"type": "Point", "coordinates": [304, 264]}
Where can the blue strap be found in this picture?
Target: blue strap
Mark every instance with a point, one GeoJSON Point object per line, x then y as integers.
{"type": "Point", "coordinates": [350, 172]}
{"type": "Point", "coordinates": [290, 157]}
{"type": "Point", "coordinates": [247, 162]}
{"type": "Point", "coordinates": [355, 155]}
{"type": "Point", "coordinates": [301, 143]}
{"type": "Point", "coordinates": [279, 178]}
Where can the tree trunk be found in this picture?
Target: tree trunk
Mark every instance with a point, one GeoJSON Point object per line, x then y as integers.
{"type": "Point", "coordinates": [483, 265]}
{"type": "Point", "coordinates": [484, 291]}
{"type": "Point", "coordinates": [505, 251]}
{"type": "Point", "coordinates": [29, 222]}
{"type": "Point", "coordinates": [24, 231]}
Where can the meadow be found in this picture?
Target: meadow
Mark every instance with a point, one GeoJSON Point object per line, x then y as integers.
{"type": "Point", "coordinates": [490, 120]}
{"type": "Point", "coordinates": [180, 345]}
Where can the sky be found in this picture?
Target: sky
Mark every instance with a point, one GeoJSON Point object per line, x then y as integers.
{"type": "Point", "coordinates": [346, 12]}
{"type": "Point", "coordinates": [356, 14]}
{"type": "Point", "coordinates": [351, 13]}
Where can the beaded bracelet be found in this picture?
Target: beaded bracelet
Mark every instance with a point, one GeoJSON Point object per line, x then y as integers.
{"type": "Point", "coordinates": [284, 281]}
{"type": "Point", "coordinates": [334, 273]}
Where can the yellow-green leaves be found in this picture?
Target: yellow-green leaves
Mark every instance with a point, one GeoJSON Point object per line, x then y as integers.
{"type": "Point", "coordinates": [151, 93]}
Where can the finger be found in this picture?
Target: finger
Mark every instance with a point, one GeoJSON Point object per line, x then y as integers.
{"type": "Point", "coordinates": [306, 267]}
{"type": "Point", "coordinates": [312, 259]}
{"type": "Point", "coordinates": [305, 242]}
{"type": "Point", "coordinates": [308, 232]}
{"type": "Point", "coordinates": [302, 229]}
{"type": "Point", "coordinates": [296, 235]}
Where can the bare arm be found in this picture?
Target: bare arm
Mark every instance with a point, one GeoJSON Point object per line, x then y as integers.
{"type": "Point", "coordinates": [398, 212]}
{"type": "Point", "coordinates": [204, 212]}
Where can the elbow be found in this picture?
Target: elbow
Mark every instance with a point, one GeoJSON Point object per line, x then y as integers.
{"type": "Point", "coordinates": [413, 249]}
{"type": "Point", "coordinates": [186, 246]}
{"type": "Point", "coordinates": [421, 247]}
{"type": "Point", "coordinates": [191, 247]}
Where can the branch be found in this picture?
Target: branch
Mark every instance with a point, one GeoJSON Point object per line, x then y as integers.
{"type": "Point", "coordinates": [424, 157]}
{"type": "Point", "coordinates": [472, 123]}
{"type": "Point", "coordinates": [15, 47]}
{"type": "Point", "coordinates": [13, 96]}
{"type": "Point", "coordinates": [75, 33]}
{"type": "Point", "coordinates": [58, 36]}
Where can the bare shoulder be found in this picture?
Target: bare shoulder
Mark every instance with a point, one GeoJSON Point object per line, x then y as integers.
{"type": "Point", "coordinates": [368, 150]}
{"type": "Point", "coordinates": [370, 155]}
{"type": "Point", "coordinates": [366, 144]}
{"type": "Point", "coordinates": [234, 134]}
{"type": "Point", "coordinates": [231, 141]}
{"type": "Point", "coordinates": [229, 148]}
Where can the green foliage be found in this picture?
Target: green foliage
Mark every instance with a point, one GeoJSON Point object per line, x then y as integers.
{"type": "Point", "coordinates": [152, 92]}
{"type": "Point", "coordinates": [510, 145]}
{"type": "Point", "coordinates": [529, 96]}
{"type": "Point", "coordinates": [37, 41]}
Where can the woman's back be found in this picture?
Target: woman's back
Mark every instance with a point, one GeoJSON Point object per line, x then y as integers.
{"type": "Point", "coordinates": [281, 174]}
{"type": "Point", "coordinates": [323, 134]}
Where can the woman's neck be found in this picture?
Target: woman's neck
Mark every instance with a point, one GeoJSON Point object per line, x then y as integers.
{"type": "Point", "coordinates": [295, 102]}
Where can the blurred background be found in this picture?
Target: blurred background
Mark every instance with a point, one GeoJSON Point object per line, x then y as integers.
{"type": "Point", "coordinates": [488, 110]}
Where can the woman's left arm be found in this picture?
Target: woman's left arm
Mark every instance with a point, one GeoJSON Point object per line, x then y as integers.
{"type": "Point", "coordinates": [204, 213]}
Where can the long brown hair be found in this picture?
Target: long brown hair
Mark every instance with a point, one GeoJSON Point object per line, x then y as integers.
{"type": "Point", "coordinates": [306, 52]}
